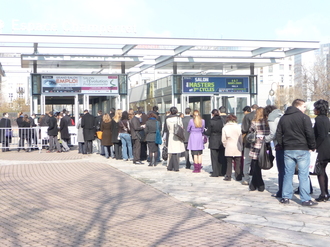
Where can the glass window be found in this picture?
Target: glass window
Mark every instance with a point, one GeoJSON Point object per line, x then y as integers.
{"type": "Point", "coordinates": [270, 69]}
{"type": "Point", "coordinates": [281, 66]}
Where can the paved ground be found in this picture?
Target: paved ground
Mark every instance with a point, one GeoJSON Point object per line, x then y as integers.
{"type": "Point", "coordinates": [70, 199]}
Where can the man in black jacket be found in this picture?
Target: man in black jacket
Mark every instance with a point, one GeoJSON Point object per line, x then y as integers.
{"type": "Point", "coordinates": [88, 125]}
{"type": "Point", "coordinates": [295, 134]}
{"type": "Point", "coordinates": [52, 133]}
{"type": "Point", "coordinates": [135, 128]}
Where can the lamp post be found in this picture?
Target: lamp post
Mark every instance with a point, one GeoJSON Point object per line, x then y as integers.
{"type": "Point", "coordinates": [272, 92]}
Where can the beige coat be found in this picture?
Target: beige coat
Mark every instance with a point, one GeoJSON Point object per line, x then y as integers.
{"type": "Point", "coordinates": [232, 139]}
{"type": "Point", "coordinates": [174, 146]}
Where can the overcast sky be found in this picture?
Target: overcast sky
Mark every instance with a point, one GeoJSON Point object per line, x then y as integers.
{"type": "Point", "coordinates": [303, 20]}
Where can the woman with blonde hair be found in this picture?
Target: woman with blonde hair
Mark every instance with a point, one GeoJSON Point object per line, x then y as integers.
{"type": "Point", "coordinates": [106, 134]}
{"type": "Point", "coordinates": [196, 128]}
{"type": "Point", "coordinates": [115, 133]}
{"type": "Point", "coordinates": [259, 125]}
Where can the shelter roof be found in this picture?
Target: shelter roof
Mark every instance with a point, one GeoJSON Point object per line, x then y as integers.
{"type": "Point", "coordinates": [20, 53]}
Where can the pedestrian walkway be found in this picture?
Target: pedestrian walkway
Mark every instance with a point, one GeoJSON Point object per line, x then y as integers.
{"type": "Point", "coordinates": [69, 199]}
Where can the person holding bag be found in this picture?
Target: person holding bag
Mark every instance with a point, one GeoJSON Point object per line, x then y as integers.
{"type": "Point", "coordinates": [151, 127]}
{"type": "Point", "coordinates": [260, 125]}
{"type": "Point", "coordinates": [174, 144]}
{"type": "Point", "coordinates": [322, 138]}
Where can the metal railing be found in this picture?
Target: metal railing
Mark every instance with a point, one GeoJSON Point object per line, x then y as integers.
{"type": "Point", "coordinates": [28, 139]}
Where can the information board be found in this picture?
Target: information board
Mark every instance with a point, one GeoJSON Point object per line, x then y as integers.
{"type": "Point", "coordinates": [208, 84]}
{"type": "Point", "coordinates": [79, 84]}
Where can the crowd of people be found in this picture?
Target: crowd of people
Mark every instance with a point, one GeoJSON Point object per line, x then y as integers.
{"type": "Point", "coordinates": [135, 136]}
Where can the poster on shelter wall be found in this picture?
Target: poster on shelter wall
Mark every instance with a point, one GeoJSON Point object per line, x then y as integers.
{"type": "Point", "coordinates": [99, 84]}
{"type": "Point", "coordinates": [60, 84]}
{"type": "Point", "coordinates": [208, 84]}
{"type": "Point", "coordinates": [79, 84]}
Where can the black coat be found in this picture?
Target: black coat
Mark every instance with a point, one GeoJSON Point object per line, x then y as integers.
{"type": "Point", "coordinates": [322, 138]}
{"type": "Point", "coordinates": [114, 131]}
{"type": "Point", "coordinates": [294, 131]}
{"type": "Point", "coordinates": [52, 129]}
{"type": "Point", "coordinates": [214, 131]}
{"type": "Point", "coordinates": [64, 129]}
{"type": "Point", "coordinates": [88, 125]}
{"type": "Point", "coordinates": [246, 124]}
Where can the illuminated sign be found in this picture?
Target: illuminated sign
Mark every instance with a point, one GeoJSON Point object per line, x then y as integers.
{"type": "Point", "coordinates": [79, 84]}
{"type": "Point", "coordinates": [224, 84]}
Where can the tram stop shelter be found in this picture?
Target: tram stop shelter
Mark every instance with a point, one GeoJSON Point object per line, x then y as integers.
{"type": "Point", "coordinates": [96, 72]}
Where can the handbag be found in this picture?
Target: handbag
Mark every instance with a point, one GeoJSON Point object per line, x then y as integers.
{"type": "Point", "coordinates": [158, 139]}
{"type": "Point", "coordinates": [99, 134]}
{"type": "Point", "coordinates": [265, 158]}
{"type": "Point", "coordinates": [178, 131]}
{"type": "Point", "coordinates": [164, 153]}
{"type": "Point", "coordinates": [251, 137]}
{"type": "Point", "coordinates": [205, 139]}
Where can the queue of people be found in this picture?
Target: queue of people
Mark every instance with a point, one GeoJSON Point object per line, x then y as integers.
{"type": "Point", "coordinates": [128, 135]}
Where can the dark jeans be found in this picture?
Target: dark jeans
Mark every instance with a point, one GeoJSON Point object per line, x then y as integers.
{"type": "Point", "coordinates": [281, 170]}
{"type": "Point", "coordinates": [222, 160]}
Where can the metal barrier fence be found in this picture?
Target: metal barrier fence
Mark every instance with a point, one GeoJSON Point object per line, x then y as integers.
{"type": "Point", "coordinates": [29, 139]}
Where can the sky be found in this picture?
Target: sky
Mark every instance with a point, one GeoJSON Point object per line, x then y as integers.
{"type": "Point", "coordinates": [297, 20]}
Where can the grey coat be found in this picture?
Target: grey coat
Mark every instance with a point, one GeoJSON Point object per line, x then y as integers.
{"type": "Point", "coordinates": [150, 130]}
{"type": "Point", "coordinates": [80, 137]}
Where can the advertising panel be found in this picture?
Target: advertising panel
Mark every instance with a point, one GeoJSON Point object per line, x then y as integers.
{"type": "Point", "coordinates": [207, 85]}
{"type": "Point", "coordinates": [79, 84]}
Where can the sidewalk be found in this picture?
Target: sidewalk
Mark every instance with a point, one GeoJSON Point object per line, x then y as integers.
{"type": "Point", "coordinates": [70, 199]}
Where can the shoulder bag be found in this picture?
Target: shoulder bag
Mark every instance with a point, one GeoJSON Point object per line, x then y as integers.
{"type": "Point", "coordinates": [164, 153]}
{"type": "Point", "coordinates": [158, 139]}
{"type": "Point", "coordinates": [99, 134]}
{"type": "Point", "coordinates": [178, 131]}
{"type": "Point", "coordinates": [251, 137]}
{"type": "Point", "coordinates": [265, 158]}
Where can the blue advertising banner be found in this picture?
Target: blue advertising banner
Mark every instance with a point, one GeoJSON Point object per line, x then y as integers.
{"type": "Point", "coordinates": [207, 84]}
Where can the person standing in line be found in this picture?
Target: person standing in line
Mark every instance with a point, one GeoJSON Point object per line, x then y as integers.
{"type": "Point", "coordinates": [88, 125]}
{"type": "Point", "coordinates": [64, 130]}
{"type": "Point", "coordinates": [295, 135]}
{"type": "Point", "coordinates": [115, 134]}
{"type": "Point", "coordinates": [155, 110]}
{"type": "Point", "coordinates": [27, 132]}
{"type": "Point", "coordinates": [98, 121]}
{"type": "Point", "coordinates": [144, 149]}
{"type": "Point", "coordinates": [246, 124]}
{"type": "Point", "coordinates": [19, 122]}
{"type": "Point", "coordinates": [322, 138]}
{"type": "Point", "coordinates": [196, 128]}
{"type": "Point", "coordinates": [80, 137]}
{"type": "Point", "coordinates": [214, 131]}
{"type": "Point", "coordinates": [6, 133]}
{"type": "Point", "coordinates": [136, 126]}
{"type": "Point", "coordinates": [259, 125]}
{"type": "Point", "coordinates": [222, 158]}
{"type": "Point", "coordinates": [106, 141]}
{"type": "Point", "coordinates": [174, 144]}
{"type": "Point", "coordinates": [233, 143]}
{"type": "Point", "coordinates": [273, 118]}
{"type": "Point", "coordinates": [150, 130]}
{"type": "Point", "coordinates": [52, 133]}
{"type": "Point", "coordinates": [125, 137]}
{"type": "Point", "coordinates": [185, 121]}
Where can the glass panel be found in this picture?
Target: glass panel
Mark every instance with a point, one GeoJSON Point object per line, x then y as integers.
{"type": "Point", "coordinates": [122, 80]}
{"type": "Point", "coordinates": [241, 103]}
